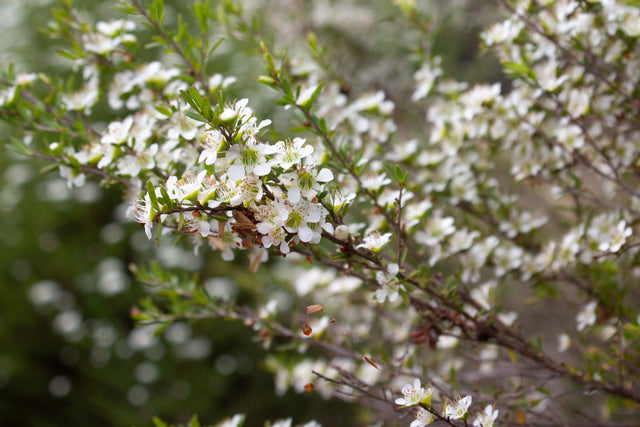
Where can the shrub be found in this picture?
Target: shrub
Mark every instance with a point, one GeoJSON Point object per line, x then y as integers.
{"type": "Point", "coordinates": [452, 249]}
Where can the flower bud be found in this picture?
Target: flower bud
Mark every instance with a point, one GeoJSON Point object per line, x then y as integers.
{"type": "Point", "coordinates": [342, 232]}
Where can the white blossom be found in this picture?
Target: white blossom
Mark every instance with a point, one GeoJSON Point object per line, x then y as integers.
{"type": "Point", "coordinates": [587, 316]}
{"type": "Point", "coordinates": [458, 408]}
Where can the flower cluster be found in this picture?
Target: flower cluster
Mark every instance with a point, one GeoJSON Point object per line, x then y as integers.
{"type": "Point", "coordinates": [242, 190]}
{"type": "Point", "coordinates": [413, 394]}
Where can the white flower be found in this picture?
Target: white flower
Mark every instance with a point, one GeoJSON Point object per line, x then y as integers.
{"type": "Point", "coordinates": [508, 318]}
{"type": "Point", "coordinates": [608, 233]}
{"type": "Point", "coordinates": [84, 98]}
{"type": "Point", "coordinates": [99, 43]}
{"type": "Point", "coordinates": [458, 408]}
{"type": "Point", "coordinates": [423, 418]}
{"type": "Point", "coordinates": [425, 77]}
{"type": "Point", "coordinates": [302, 218]}
{"type": "Point", "coordinates": [183, 125]}
{"type": "Point", "coordinates": [462, 240]}
{"type": "Point", "coordinates": [474, 99]}
{"type": "Point", "coordinates": [564, 342]}
{"type": "Point", "coordinates": [236, 421]}
{"type": "Point", "coordinates": [305, 182]}
{"type": "Point", "coordinates": [546, 74]}
{"type": "Point", "coordinates": [117, 132]}
{"type": "Point", "coordinates": [304, 98]}
{"type": "Point", "coordinates": [115, 26]}
{"type": "Point", "coordinates": [225, 242]}
{"type": "Point", "coordinates": [132, 164]}
{"type": "Point", "coordinates": [482, 294]}
{"type": "Point", "coordinates": [282, 423]}
{"type": "Point", "coordinates": [570, 135]}
{"type": "Point", "coordinates": [271, 219]}
{"type": "Point", "coordinates": [413, 394]}
{"type": "Point", "coordinates": [373, 181]}
{"type": "Point", "coordinates": [502, 31]}
{"type": "Point", "coordinates": [74, 179]}
{"type": "Point", "coordinates": [507, 258]}
{"type": "Point", "coordinates": [372, 102]}
{"type": "Point", "coordinates": [618, 237]}
{"type": "Point", "coordinates": [24, 79]}
{"type": "Point", "coordinates": [211, 142]}
{"type": "Point", "coordinates": [374, 241]}
{"type": "Point", "coordinates": [389, 284]}
{"type": "Point", "coordinates": [186, 188]}
{"type": "Point", "coordinates": [108, 36]}
{"type": "Point", "coordinates": [249, 158]}
{"type": "Point", "coordinates": [486, 418]}
{"type": "Point", "coordinates": [436, 229]}
{"type": "Point", "coordinates": [239, 109]}
{"type": "Point", "coordinates": [578, 102]}
{"type": "Point", "coordinates": [587, 316]}
{"type": "Point", "coordinates": [228, 192]}
{"type": "Point", "coordinates": [194, 224]}
{"type": "Point", "coordinates": [292, 152]}
{"type": "Point", "coordinates": [219, 81]}
{"type": "Point", "coordinates": [144, 213]}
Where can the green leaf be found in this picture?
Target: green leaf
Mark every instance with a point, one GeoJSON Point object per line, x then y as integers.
{"type": "Point", "coordinates": [163, 110]}
{"type": "Point", "coordinates": [266, 80]}
{"type": "Point", "coordinates": [161, 329]}
{"type": "Point", "coordinates": [312, 39]}
{"type": "Point", "coordinates": [166, 200]}
{"type": "Point", "coordinates": [157, 422]}
{"type": "Point", "coordinates": [19, 147]}
{"type": "Point", "coordinates": [195, 95]}
{"type": "Point", "coordinates": [286, 86]}
{"type": "Point", "coordinates": [631, 332]}
{"type": "Point", "coordinates": [152, 196]}
{"type": "Point", "coordinates": [67, 54]}
{"type": "Point", "coordinates": [400, 176]}
{"type": "Point", "coordinates": [215, 46]}
{"type": "Point", "coordinates": [322, 124]}
{"type": "Point", "coordinates": [518, 70]}
{"type": "Point", "coordinates": [180, 221]}
{"type": "Point", "coordinates": [183, 31]}
{"type": "Point", "coordinates": [299, 129]}
{"type": "Point", "coordinates": [202, 11]}
{"type": "Point", "coordinates": [156, 11]}
{"type": "Point", "coordinates": [194, 422]}
{"type": "Point", "coordinates": [153, 44]}
{"type": "Point", "coordinates": [195, 116]}
{"type": "Point", "coordinates": [74, 163]}
{"type": "Point", "coordinates": [158, 233]}
{"type": "Point", "coordinates": [271, 67]}
{"type": "Point", "coordinates": [535, 343]}
{"type": "Point", "coordinates": [315, 94]}
{"type": "Point", "coordinates": [195, 53]}
{"type": "Point", "coordinates": [48, 168]}
{"type": "Point", "coordinates": [126, 8]}
{"type": "Point", "coordinates": [187, 97]}
{"type": "Point", "coordinates": [207, 111]}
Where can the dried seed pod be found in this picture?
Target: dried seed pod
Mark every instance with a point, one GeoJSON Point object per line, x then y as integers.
{"type": "Point", "coordinates": [314, 308]}
{"type": "Point", "coordinates": [370, 362]}
{"type": "Point", "coordinates": [306, 329]}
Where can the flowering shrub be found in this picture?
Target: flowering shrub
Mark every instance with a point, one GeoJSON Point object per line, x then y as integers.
{"type": "Point", "coordinates": [484, 247]}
